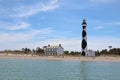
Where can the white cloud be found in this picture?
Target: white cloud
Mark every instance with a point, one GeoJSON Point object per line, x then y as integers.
{"type": "Point", "coordinates": [106, 25]}
{"type": "Point", "coordinates": [99, 27]}
{"type": "Point", "coordinates": [44, 31]}
{"type": "Point", "coordinates": [22, 25]}
{"type": "Point", "coordinates": [25, 11]}
{"type": "Point", "coordinates": [6, 37]}
{"type": "Point", "coordinates": [13, 26]}
{"type": "Point", "coordinates": [116, 23]}
{"type": "Point", "coordinates": [88, 4]}
{"type": "Point", "coordinates": [94, 43]}
{"type": "Point", "coordinates": [54, 1]}
{"type": "Point", "coordinates": [13, 37]}
{"type": "Point", "coordinates": [99, 43]}
{"type": "Point", "coordinates": [67, 43]}
{"type": "Point", "coordinates": [71, 44]}
{"type": "Point", "coordinates": [101, 1]}
{"type": "Point", "coordinates": [10, 15]}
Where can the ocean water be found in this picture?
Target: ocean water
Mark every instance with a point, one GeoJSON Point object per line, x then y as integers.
{"type": "Point", "coordinates": [26, 69]}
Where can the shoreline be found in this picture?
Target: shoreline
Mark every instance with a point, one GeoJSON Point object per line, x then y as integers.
{"type": "Point", "coordinates": [78, 58]}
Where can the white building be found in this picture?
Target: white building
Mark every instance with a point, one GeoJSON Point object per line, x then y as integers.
{"type": "Point", "coordinates": [90, 53]}
{"type": "Point", "coordinates": [53, 50]}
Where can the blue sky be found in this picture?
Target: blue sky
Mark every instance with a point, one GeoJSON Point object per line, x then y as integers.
{"type": "Point", "coordinates": [33, 23]}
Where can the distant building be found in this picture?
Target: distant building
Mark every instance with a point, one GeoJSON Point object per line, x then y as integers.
{"type": "Point", "coordinates": [53, 50]}
{"type": "Point", "coordinates": [90, 53]}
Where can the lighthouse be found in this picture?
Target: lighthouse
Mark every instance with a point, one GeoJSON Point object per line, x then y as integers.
{"type": "Point", "coordinates": [84, 38]}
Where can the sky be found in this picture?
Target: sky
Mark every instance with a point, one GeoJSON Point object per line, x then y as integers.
{"type": "Point", "coordinates": [37, 23]}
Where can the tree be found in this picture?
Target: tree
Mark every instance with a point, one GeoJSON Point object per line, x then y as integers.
{"type": "Point", "coordinates": [26, 50]}
{"type": "Point", "coordinates": [104, 51]}
{"type": "Point", "coordinates": [33, 51]}
{"type": "Point", "coordinates": [39, 51]}
{"type": "Point", "coordinates": [115, 51]}
{"type": "Point", "coordinates": [66, 52]}
{"type": "Point", "coordinates": [44, 47]}
{"type": "Point", "coordinates": [97, 53]}
{"type": "Point", "coordinates": [72, 53]}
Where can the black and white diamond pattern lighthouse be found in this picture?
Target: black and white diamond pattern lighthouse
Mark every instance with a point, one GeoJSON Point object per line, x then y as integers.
{"type": "Point", "coordinates": [84, 38]}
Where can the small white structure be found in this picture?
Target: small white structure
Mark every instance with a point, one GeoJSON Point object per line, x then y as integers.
{"type": "Point", "coordinates": [90, 53]}
{"type": "Point", "coordinates": [53, 50]}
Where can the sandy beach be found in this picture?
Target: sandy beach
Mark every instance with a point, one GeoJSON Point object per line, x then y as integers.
{"type": "Point", "coordinates": [80, 58]}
